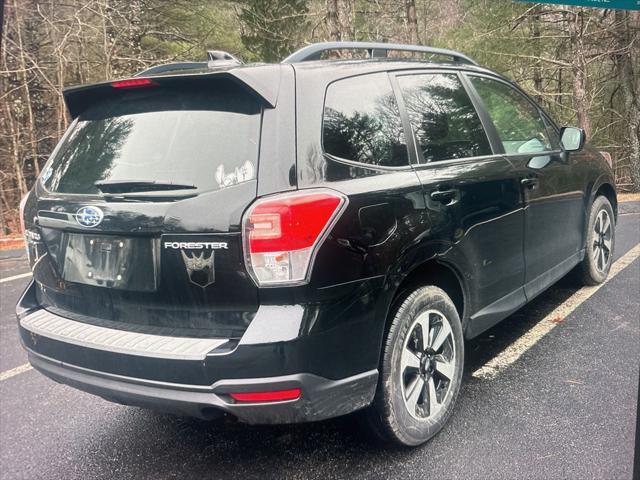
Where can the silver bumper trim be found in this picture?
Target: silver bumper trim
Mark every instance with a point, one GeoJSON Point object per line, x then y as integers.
{"type": "Point", "coordinates": [50, 325]}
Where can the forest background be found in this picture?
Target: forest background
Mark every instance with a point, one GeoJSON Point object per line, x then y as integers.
{"type": "Point", "coordinates": [581, 64]}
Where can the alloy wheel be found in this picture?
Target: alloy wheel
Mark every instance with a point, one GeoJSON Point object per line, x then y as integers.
{"type": "Point", "coordinates": [601, 247]}
{"type": "Point", "coordinates": [427, 364]}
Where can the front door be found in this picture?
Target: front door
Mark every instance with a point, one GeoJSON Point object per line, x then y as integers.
{"type": "Point", "coordinates": [553, 199]}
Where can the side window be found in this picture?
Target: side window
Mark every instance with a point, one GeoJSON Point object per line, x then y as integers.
{"type": "Point", "coordinates": [442, 117]}
{"type": "Point", "coordinates": [362, 122]}
{"type": "Point", "coordinates": [520, 126]}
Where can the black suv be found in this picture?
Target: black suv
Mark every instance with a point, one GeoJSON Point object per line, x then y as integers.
{"type": "Point", "coordinates": [292, 242]}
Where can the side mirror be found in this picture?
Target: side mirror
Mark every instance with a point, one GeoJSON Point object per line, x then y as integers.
{"type": "Point", "coordinates": [572, 138]}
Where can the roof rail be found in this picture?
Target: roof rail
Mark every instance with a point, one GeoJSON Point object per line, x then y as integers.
{"type": "Point", "coordinates": [376, 50]}
{"type": "Point", "coordinates": [216, 58]}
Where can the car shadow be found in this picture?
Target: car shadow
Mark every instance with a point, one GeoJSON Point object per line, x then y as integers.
{"type": "Point", "coordinates": [153, 445]}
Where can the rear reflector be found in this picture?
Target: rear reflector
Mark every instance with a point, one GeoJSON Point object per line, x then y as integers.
{"type": "Point", "coordinates": [282, 233]}
{"type": "Point", "coordinates": [274, 396]}
{"type": "Point", "coordinates": [133, 82]}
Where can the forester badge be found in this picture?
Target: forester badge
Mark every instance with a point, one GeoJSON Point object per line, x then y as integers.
{"type": "Point", "coordinates": [200, 268]}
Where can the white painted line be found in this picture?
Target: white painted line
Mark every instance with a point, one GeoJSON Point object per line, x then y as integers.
{"type": "Point", "coordinates": [514, 351]}
{"type": "Point", "coordinates": [15, 277]}
{"type": "Point", "coordinates": [15, 371]}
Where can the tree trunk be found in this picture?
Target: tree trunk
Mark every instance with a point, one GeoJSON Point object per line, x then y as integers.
{"type": "Point", "coordinates": [412, 22]}
{"type": "Point", "coordinates": [15, 151]}
{"type": "Point", "coordinates": [106, 46]}
{"type": "Point", "coordinates": [560, 88]}
{"type": "Point", "coordinates": [628, 24]}
{"type": "Point", "coordinates": [333, 23]}
{"type": "Point", "coordinates": [4, 228]}
{"type": "Point", "coordinates": [579, 69]}
{"type": "Point", "coordinates": [31, 128]}
{"type": "Point", "coordinates": [537, 68]}
{"type": "Point", "coordinates": [344, 19]}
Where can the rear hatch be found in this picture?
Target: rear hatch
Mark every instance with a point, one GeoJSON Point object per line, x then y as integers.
{"type": "Point", "coordinates": [139, 209]}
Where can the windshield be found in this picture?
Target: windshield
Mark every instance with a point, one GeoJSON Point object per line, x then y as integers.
{"type": "Point", "coordinates": [207, 138]}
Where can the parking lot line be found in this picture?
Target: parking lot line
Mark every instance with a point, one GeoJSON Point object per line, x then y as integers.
{"type": "Point", "coordinates": [15, 371]}
{"type": "Point", "coordinates": [15, 277]}
{"type": "Point", "coordinates": [514, 351]}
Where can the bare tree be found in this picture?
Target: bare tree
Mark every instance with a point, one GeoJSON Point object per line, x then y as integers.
{"type": "Point", "coordinates": [537, 67]}
{"type": "Point", "coordinates": [627, 40]}
{"type": "Point", "coordinates": [333, 22]}
{"type": "Point", "coordinates": [339, 21]}
{"type": "Point", "coordinates": [583, 64]}
{"type": "Point", "coordinates": [412, 22]}
{"type": "Point", "coordinates": [575, 27]}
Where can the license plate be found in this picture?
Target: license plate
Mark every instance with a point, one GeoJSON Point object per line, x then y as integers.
{"type": "Point", "coordinates": [111, 261]}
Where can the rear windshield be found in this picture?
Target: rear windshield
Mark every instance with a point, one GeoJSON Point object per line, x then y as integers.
{"type": "Point", "coordinates": [207, 138]}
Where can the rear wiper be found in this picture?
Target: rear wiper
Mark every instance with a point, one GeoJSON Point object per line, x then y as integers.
{"type": "Point", "coordinates": [128, 186]}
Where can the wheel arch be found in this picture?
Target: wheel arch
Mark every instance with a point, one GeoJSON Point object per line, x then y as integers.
{"type": "Point", "coordinates": [437, 273]}
{"type": "Point", "coordinates": [607, 190]}
{"type": "Point", "coordinates": [603, 185]}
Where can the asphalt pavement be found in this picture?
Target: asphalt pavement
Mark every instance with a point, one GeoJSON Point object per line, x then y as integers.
{"type": "Point", "coordinates": [565, 409]}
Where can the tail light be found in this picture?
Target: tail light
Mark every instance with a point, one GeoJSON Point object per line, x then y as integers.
{"type": "Point", "coordinates": [283, 232]}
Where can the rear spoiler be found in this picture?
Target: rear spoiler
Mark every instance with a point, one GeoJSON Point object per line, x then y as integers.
{"type": "Point", "coordinates": [263, 81]}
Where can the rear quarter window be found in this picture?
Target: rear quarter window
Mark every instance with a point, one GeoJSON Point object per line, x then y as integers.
{"type": "Point", "coordinates": [361, 122]}
{"type": "Point", "coordinates": [206, 137]}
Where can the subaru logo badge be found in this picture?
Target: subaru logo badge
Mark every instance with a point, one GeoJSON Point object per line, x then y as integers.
{"type": "Point", "coordinates": [89, 216]}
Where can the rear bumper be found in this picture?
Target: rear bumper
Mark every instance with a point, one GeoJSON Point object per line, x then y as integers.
{"type": "Point", "coordinates": [321, 398]}
{"type": "Point", "coordinates": [195, 377]}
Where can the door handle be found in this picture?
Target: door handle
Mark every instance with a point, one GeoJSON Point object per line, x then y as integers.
{"type": "Point", "coordinates": [444, 196]}
{"type": "Point", "coordinates": [529, 182]}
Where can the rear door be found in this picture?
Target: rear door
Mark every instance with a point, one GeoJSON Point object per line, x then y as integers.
{"type": "Point", "coordinates": [472, 194]}
{"type": "Point", "coordinates": [139, 210]}
{"type": "Point", "coordinates": [554, 199]}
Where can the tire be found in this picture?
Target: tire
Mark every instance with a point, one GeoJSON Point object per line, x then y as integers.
{"type": "Point", "coordinates": [411, 375]}
{"type": "Point", "coordinates": [598, 256]}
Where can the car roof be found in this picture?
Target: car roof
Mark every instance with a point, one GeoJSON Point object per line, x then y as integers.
{"type": "Point", "coordinates": [264, 79]}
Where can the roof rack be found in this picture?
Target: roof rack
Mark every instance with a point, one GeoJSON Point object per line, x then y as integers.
{"type": "Point", "coordinates": [216, 58]}
{"type": "Point", "coordinates": [376, 50]}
